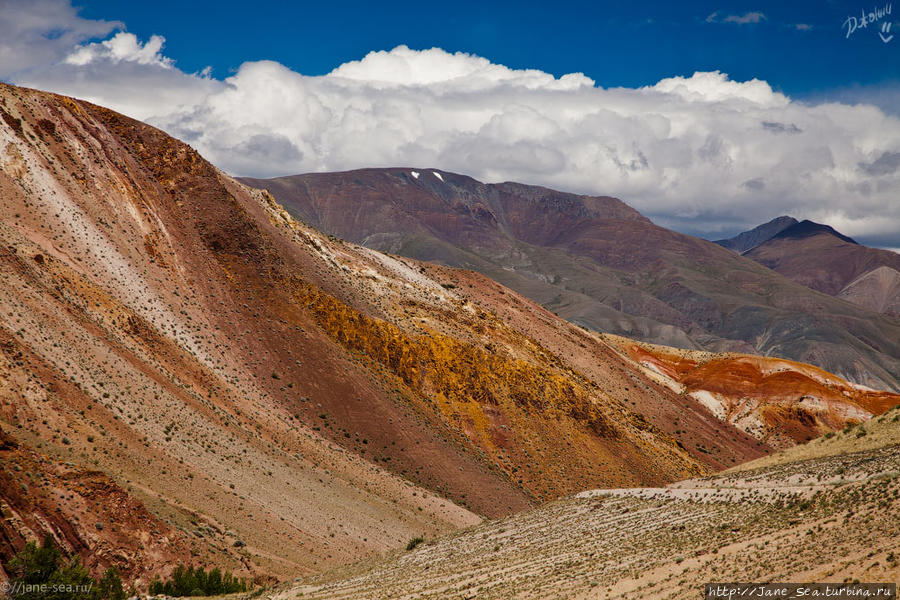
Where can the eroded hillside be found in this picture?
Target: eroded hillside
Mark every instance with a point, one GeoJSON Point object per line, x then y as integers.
{"type": "Point", "coordinates": [89, 515]}
{"type": "Point", "coordinates": [778, 401]}
{"type": "Point", "coordinates": [829, 517]}
{"type": "Point", "coordinates": [295, 401]}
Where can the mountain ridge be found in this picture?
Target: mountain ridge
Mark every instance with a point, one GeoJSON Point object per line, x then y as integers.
{"type": "Point", "coordinates": [605, 267]}
{"type": "Point", "coordinates": [807, 228]}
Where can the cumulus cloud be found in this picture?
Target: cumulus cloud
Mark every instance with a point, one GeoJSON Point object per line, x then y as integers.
{"type": "Point", "coordinates": [121, 72]}
{"type": "Point", "coordinates": [42, 32]}
{"type": "Point", "coordinates": [701, 153]}
{"type": "Point", "coordinates": [121, 47]}
{"type": "Point", "coordinates": [885, 95]}
{"type": "Point", "coordinates": [405, 67]}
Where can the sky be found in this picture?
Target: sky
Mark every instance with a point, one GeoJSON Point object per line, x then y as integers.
{"type": "Point", "coordinates": [709, 117]}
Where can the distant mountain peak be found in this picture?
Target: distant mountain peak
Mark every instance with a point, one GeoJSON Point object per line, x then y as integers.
{"type": "Point", "coordinates": [817, 256]}
{"type": "Point", "coordinates": [807, 228]}
{"type": "Point", "coordinates": [748, 240]}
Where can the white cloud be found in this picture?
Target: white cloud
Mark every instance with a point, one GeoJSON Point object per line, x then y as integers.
{"type": "Point", "coordinates": [716, 87]}
{"type": "Point", "coordinates": [124, 74]}
{"type": "Point", "coordinates": [42, 32]}
{"type": "Point", "coordinates": [699, 153]}
{"type": "Point", "coordinates": [121, 47]}
{"type": "Point", "coordinates": [405, 67]}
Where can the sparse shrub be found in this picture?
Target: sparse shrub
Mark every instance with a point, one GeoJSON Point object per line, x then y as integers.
{"type": "Point", "coordinates": [414, 542]}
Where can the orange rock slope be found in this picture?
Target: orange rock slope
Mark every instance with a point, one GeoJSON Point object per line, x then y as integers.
{"type": "Point", "coordinates": [778, 401]}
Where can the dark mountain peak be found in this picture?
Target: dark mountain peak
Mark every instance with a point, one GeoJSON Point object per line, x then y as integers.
{"type": "Point", "coordinates": [807, 228]}
{"type": "Point", "coordinates": [786, 220]}
{"type": "Point", "coordinates": [754, 237]}
{"type": "Point", "coordinates": [412, 199]}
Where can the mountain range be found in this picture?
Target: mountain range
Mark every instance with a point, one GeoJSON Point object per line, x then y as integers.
{"type": "Point", "coordinates": [599, 263]}
{"type": "Point", "coordinates": [191, 375]}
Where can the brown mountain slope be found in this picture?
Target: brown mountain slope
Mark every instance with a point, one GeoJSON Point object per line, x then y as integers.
{"type": "Point", "coordinates": [295, 400]}
{"type": "Point", "coordinates": [823, 516]}
{"type": "Point", "coordinates": [90, 516]}
{"type": "Point", "coordinates": [877, 290]}
{"type": "Point", "coordinates": [778, 401]}
{"type": "Point", "coordinates": [824, 260]}
{"type": "Point", "coordinates": [598, 263]}
{"type": "Point", "coordinates": [144, 334]}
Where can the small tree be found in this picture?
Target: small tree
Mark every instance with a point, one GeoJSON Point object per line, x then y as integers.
{"type": "Point", "coordinates": [72, 573]}
{"type": "Point", "coordinates": [199, 582]}
{"type": "Point", "coordinates": [214, 582]}
{"type": "Point", "coordinates": [192, 581]}
{"type": "Point", "coordinates": [34, 565]}
{"type": "Point", "coordinates": [110, 585]}
{"type": "Point", "coordinates": [156, 587]}
{"type": "Point", "coordinates": [45, 565]}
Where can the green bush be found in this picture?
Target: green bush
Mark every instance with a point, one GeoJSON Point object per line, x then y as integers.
{"type": "Point", "coordinates": [45, 565]}
{"type": "Point", "coordinates": [35, 565]}
{"type": "Point", "coordinates": [110, 585]}
{"type": "Point", "coordinates": [197, 582]}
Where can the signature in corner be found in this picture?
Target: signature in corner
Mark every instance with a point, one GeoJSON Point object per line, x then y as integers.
{"type": "Point", "coordinates": [853, 24]}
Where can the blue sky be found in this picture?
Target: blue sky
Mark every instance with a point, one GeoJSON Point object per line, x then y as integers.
{"type": "Point", "coordinates": [708, 117]}
{"type": "Point", "coordinates": [798, 47]}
